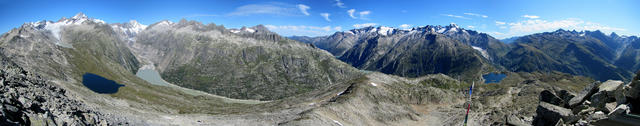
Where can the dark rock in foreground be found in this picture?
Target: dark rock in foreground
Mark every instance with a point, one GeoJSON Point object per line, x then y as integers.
{"type": "Point", "coordinates": [549, 114]}
{"type": "Point", "coordinates": [547, 96]}
{"type": "Point", "coordinates": [586, 93]}
{"type": "Point", "coordinates": [609, 103]}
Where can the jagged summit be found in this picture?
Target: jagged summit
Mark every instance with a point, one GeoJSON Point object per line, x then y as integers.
{"type": "Point", "coordinates": [255, 29]}
{"type": "Point", "coordinates": [453, 25]}
{"type": "Point", "coordinates": [613, 34]}
{"type": "Point", "coordinates": [129, 29]}
{"type": "Point", "coordinates": [56, 27]}
{"type": "Point", "coordinates": [80, 15]}
{"type": "Point", "coordinates": [260, 27]}
{"type": "Point", "coordinates": [583, 33]}
{"type": "Point", "coordinates": [387, 31]}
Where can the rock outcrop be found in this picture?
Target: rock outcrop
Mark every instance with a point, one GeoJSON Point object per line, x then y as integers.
{"type": "Point", "coordinates": [607, 103]}
{"type": "Point", "coordinates": [547, 96]}
{"type": "Point", "coordinates": [587, 92]}
{"type": "Point", "coordinates": [551, 114]}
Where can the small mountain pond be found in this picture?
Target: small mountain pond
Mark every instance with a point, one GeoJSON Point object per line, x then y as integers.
{"type": "Point", "coordinates": [100, 84]}
{"type": "Point", "coordinates": [493, 77]}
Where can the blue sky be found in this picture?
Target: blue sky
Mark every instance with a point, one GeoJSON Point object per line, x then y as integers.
{"type": "Point", "coordinates": [500, 18]}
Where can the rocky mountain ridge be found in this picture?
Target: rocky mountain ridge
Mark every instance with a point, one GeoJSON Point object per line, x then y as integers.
{"type": "Point", "coordinates": [452, 50]}
{"type": "Point", "coordinates": [586, 53]}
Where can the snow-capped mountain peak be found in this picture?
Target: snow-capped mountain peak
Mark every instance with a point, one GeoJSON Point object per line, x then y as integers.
{"type": "Point", "coordinates": [80, 16]}
{"type": "Point", "coordinates": [129, 29]}
{"type": "Point", "coordinates": [451, 29]}
{"type": "Point", "coordinates": [56, 27]}
{"type": "Point", "coordinates": [163, 23]}
{"type": "Point", "coordinates": [134, 25]}
{"type": "Point", "coordinates": [382, 30]}
{"type": "Point", "coordinates": [454, 25]}
{"type": "Point", "coordinates": [250, 30]}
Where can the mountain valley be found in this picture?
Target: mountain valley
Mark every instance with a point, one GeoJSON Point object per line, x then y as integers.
{"type": "Point", "coordinates": [213, 75]}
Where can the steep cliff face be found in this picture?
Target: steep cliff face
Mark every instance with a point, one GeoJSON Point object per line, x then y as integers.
{"type": "Point", "coordinates": [629, 58]}
{"type": "Point", "coordinates": [417, 55]}
{"type": "Point", "coordinates": [416, 52]}
{"type": "Point", "coordinates": [247, 63]}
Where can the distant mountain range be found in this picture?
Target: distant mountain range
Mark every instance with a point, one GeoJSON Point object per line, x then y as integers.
{"type": "Point", "coordinates": [459, 52]}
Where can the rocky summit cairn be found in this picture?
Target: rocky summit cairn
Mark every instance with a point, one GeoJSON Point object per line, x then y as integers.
{"type": "Point", "coordinates": [608, 103]}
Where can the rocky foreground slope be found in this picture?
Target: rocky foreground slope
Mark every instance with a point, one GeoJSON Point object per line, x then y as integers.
{"type": "Point", "coordinates": [608, 103]}
{"type": "Point", "coordinates": [28, 99]}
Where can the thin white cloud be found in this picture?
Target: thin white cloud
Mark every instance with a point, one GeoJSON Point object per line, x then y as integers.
{"type": "Point", "coordinates": [303, 8]}
{"type": "Point", "coordinates": [363, 14]}
{"type": "Point", "coordinates": [477, 15]}
{"type": "Point", "coordinates": [500, 23]}
{"type": "Point", "coordinates": [455, 16]}
{"type": "Point", "coordinates": [364, 25]}
{"type": "Point", "coordinates": [337, 28]}
{"type": "Point", "coordinates": [405, 26]}
{"type": "Point", "coordinates": [351, 11]}
{"type": "Point", "coordinates": [304, 30]}
{"type": "Point", "coordinates": [272, 8]}
{"type": "Point", "coordinates": [530, 16]}
{"type": "Point", "coordinates": [340, 4]}
{"type": "Point", "coordinates": [326, 16]}
{"type": "Point", "coordinates": [471, 26]}
{"type": "Point", "coordinates": [496, 33]}
{"type": "Point", "coordinates": [543, 25]}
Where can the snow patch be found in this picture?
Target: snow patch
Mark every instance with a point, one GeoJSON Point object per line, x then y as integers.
{"type": "Point", "coordinates": [373, 30]}
{"type": "Point", "coordinates": [79, 16]}
{"type": "Point", "coordinates": [130, 29]}
{"type": "Point", "coordinates": [454, 29]}
{"type": "Point", "coordinates": [385, 30]}
{"type": "Point", "coordinates": [99, 21]}
{"type": "Point", "coordinates": [373, 84]}
{"type": "Point", "coordinates": [55, 29]}
{"type": "Point", "coordinates": [350, 32]}
{"type": "Point", "coordinates": [136, 27]}
{"type": "Point", "coordinates": [249, 30]}
{"type": "Point", "coordinates": [235, 31]}
{"type": "Point", "coordinates": [164, 23]}
{"type": "Point", "coordinates": [441, 30]}
{"type": "Point", "coordinates": [482, 51]}
{"type": "Point", "coordinates": [340, 124]}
